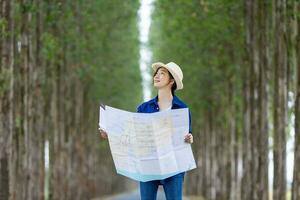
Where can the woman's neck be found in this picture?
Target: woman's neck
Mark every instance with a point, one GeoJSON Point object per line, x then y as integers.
{"type": "Point", "coordinates": [165, 95]}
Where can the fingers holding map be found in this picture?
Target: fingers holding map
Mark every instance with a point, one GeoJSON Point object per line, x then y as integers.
{"type": "Point", "coordinates": [148, 146]}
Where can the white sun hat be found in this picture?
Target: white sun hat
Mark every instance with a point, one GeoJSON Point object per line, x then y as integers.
{"type": "Point", "coordinates": [174, 69]}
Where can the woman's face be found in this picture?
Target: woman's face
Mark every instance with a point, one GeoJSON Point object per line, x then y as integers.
{"type": "Point", "coordinates": [162, 78]}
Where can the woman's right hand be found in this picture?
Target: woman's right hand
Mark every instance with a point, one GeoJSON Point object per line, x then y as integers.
{"type": "Point", "coordinates": [103, 133]}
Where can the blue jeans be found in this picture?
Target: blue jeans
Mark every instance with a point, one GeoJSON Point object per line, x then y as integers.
{"type": "Point", "coordinates": [172, 187]}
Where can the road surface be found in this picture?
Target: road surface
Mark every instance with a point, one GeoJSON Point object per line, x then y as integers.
{"type": "Point", "coordinates": [135, 195]}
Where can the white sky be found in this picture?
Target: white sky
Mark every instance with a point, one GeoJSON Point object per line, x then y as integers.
{"type": "Point", "coordinates": [144, 15]}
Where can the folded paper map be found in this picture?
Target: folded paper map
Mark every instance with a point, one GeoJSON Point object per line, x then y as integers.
{"type": "Point", "coordinates": [148, 146]}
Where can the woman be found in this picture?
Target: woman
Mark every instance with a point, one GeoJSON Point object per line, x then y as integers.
{"type": "Point", "coordinates": [166, 79]}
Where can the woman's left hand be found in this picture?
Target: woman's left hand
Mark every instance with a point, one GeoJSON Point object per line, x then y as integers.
{"type": "Point", "coordinates": [189, 138]}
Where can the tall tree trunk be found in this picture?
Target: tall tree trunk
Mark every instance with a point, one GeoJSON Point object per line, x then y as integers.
{"type": "Point", "coordinates": [255, 156]}
{"type": "Point", "coordinates": [6, 93]}
{"type": "Point", "coordinates": [33, 158]}
{"type": "Point", "coordinates": [280, 102]}
{"type": "Point", "coordinates": [24, 65]}
{"type": "Point", "coordinates": [254, 98]}
{"type": "Point", "coordinates": [263, 89]}
{"type": "Point", "coordinates": [296, 175]}
{"type": "Point", "coordinates": [232, 159]}
{"type": "Point", "coordinates": [205, 158]}
{"type": "Point", "coordinates": [38, 103]}
{"type": "Point", "coordinates": [246, 147]}
{"type": "Point", "coordinates": [213, 157]}
{"type": "Point", "coordinates": [247, 153]}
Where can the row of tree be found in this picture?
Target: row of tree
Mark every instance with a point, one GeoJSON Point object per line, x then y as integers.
{"type": "Point", "coordinates": [59, 59]}
{"type": "Point", "coordinates": [241, 64]}
{"type": "Point", "coordinates": [240, 61]}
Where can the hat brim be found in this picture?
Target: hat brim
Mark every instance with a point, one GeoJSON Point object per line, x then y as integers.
{"type": "Point", "coordinates": [179, 83]}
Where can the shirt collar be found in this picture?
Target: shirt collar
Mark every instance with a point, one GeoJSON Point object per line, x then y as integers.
{"type": "Point", "coordinates": [175, 101]}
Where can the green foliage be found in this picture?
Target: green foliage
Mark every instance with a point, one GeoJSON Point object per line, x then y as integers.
{"type": "Point", "coordinates": [206, 39]}
{"type": "Point", "coordinates": [3, 26]}
{"type": "Point", "coordinates": [114, 41]}
{"type": "Point", "coordinates": [28, 7]}
{"type": "Point", "coordinates": [51, 46]}
{"type": "Point", "coordinates": [99, 40]}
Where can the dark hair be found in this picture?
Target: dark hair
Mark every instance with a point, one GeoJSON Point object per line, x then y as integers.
{"type": "Point", "coordinates": [174, 86]}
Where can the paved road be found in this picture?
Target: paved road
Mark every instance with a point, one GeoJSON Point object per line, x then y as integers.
{"type": "Point", "coordinates": [135, 195]}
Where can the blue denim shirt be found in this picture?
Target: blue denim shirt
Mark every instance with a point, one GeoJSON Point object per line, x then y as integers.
{"type": "Point", "coordinates": [151, 106]}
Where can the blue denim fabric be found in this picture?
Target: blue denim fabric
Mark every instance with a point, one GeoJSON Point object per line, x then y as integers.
{"type": "Point", "coordinates": [172, 187]}
{"type": "Point", "coordinates": [151, 106]}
